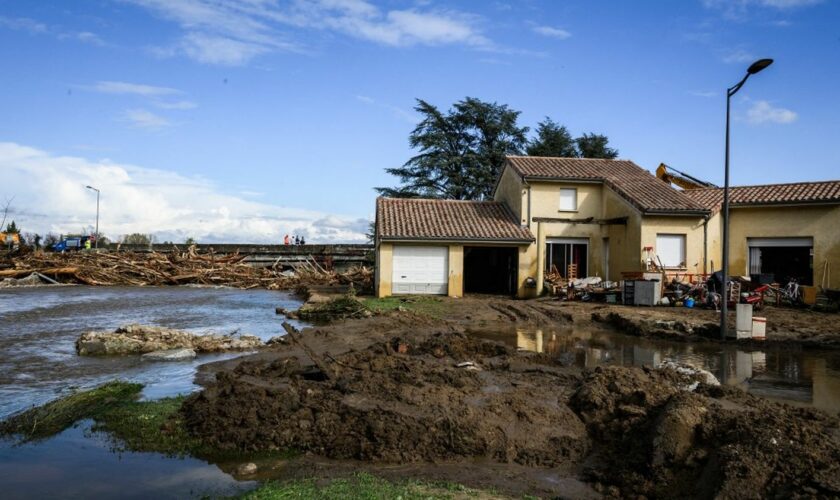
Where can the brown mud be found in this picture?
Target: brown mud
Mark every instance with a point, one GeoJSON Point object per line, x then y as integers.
{"type": "Point", "coordinates": [407, 392]}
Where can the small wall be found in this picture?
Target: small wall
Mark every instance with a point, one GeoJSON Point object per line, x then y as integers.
{"type": "Point", "coordinates": [510, 191]}
{"type": "Point", "coordinates": [385, 269]}
{"type": "Point", "coordinates": [456, 271]}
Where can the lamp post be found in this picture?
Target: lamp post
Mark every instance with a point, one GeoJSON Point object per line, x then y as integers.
{"type": "Point", "coordinates": [96, 241]}
{"type": "Point", "coordinates": [724, 306]}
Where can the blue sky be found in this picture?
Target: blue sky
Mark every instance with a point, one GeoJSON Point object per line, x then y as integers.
{"type": "Point", "coordinates": [245, 120]}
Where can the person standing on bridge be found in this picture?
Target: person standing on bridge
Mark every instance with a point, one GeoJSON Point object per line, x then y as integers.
{"type": "Point", "coordinates": [286, 240]}
{"type": "Point", "coordinates": [302, 241]}
{"type": "Point", "coordinates": [297, 240]}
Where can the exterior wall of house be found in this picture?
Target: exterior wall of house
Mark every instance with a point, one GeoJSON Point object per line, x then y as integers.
{"type": "Point", "coordinates": [511, 191]}
{"type": "Point", "coordinates": [456, 271]}
{"type": "Point", "coordinates": [691, 227]}
{"type": "Point", "coordinates": [822, 223]}
{"type": "Point", "coordinates": [624, 240]}
{"type": "Point", "coordinates": [384, 269]}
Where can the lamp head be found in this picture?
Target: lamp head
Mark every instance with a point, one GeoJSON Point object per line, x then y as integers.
{"type": "Point", "coordinates": [759, 65]}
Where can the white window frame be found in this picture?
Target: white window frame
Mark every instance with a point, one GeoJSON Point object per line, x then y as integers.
{"type": "Point", "coordinates": [683, 264]}
{"type": "Point", "coordinates": [574, 200]}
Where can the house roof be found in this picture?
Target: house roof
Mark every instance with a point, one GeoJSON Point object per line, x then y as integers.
{"type": "Point", "coordinates": [796, 193]}
{"type": "Point", "coordinates": [450, 220]}
{"type": "Point", "coordinates": [630, 181]}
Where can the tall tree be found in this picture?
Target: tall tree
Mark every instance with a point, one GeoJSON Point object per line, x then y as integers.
{"type": "Point", "coordinates": [595, 146]}
{"type": "Point", "coordinates": [12, 228]}
{"type": "Point", "coordinates": [552, 139]}
{"type": "Point", "coordinates": [461, 152]}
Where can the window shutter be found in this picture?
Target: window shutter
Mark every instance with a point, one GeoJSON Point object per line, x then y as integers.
{"type": "Point", "coordinates": [568, 199]}
{"type": "Point", "coordinates": [670, 248]}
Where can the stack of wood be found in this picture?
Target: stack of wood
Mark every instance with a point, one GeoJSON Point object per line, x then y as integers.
{"type": "Point", "coordinates": [173, 268]}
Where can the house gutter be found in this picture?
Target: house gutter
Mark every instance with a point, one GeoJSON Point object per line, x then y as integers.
{"type": "Point", "coordinates": [414, 239]}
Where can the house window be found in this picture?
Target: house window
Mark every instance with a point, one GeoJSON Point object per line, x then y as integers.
{"type": "Point", "coordinates": [670, 248]}
{"type": "Point", "coordinates": [568, 199]}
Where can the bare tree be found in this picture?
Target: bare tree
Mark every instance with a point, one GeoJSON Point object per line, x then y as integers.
{"type": "Point", "coordinates": [6, 208]}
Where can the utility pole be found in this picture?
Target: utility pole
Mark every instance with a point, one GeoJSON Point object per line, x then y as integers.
{"type": "Point", "coordinates": [96, 241]}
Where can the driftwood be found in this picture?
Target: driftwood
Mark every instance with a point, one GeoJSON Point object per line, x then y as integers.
{"type": "Point", "coordinates": [175, 268]}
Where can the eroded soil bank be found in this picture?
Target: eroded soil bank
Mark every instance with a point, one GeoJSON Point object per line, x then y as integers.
{"type": "Point", "coordinates": [412, 389]}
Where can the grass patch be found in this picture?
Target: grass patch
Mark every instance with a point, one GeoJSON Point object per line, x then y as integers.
{"type": "Point", "coordinates": [363, 486]}
{"type": "Point", "coordinates": [44, 421]}
{"type": "Point", "coordinates": [432, 306]}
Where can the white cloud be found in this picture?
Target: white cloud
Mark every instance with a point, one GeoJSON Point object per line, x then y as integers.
{"type": "Point", "coordinates": [236, 31]}
{"type": "Point", "coordinates": [764, 112]}
{"type": "Point", "coordinates": [736, 9]}
{"type": "Point", "coordinates": [738, 56]}
{"type": "Point", "coordinates": [38, 28]}
{"type": "Point", "coordinates": [703, 93]}
{"type": "Point", "coordinates": [552, 32]}
{"type": "Point", "coordinates": [112, 87]}
{"type": "Point", "coordinates": [398, 112]}
{"type": "Point", "coordinates": [144, 200]}
{"type": "Point", "coordinates": [175, 104]}
{"type": "Point", "coordinates": [142, 118]}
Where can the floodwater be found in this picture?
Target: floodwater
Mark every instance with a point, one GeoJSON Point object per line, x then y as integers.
{"type": "Point", "coordinates": [38, 363]}
{"type": "Point", "coordinates": [81, 464]}
{"type": "Point", "coordinates": [786, 374]}
{"type": "Point", "coordinates": [39, 327]}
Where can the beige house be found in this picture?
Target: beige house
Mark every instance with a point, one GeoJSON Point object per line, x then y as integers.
{"type": "Point", "coordinates": [594, 217]}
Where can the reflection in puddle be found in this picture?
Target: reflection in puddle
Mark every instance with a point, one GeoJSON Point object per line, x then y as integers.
{"type": "Point", "coordinates": [805, 378]}
{"type": "Point", "coordinates": [78, 464]}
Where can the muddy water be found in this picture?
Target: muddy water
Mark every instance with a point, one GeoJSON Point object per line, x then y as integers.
{"type": "Point", "coordinates": [39, 326]}
{"type": "Point", "coordinates": [81, 464]}
{"type": "Point", "coordinates": [790, 375]}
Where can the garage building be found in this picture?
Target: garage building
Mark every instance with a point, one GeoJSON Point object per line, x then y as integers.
{"type": "Point", "coordinates": [447, 247]}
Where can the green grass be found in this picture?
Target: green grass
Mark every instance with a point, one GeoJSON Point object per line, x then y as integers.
{"type": "Point", "coordinates": [151, 426]}
{"type": "Point", "coordinates": [113, 407]}
{"type": "Point", "coordinates": [55, 416]}
{"type": "Point", "coordinates": [434, 307]}
{"type": "Point", "coordinates": [364, 486]}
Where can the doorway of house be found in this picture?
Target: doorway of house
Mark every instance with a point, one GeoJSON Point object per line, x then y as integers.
{"type": "Point", "coordinates": [490, 270]}
{"type": "Point", "coordinates": [561, 253]}
{"type": "Point", "coordinates": [782, 259]}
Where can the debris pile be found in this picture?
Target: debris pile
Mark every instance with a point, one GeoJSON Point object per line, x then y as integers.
{"type": "Point", "coordinates": [591, 288]}
{"type": "Point", "coordinates": [173, 268]}
{"type": "Point", "coordinates": [141, 339]}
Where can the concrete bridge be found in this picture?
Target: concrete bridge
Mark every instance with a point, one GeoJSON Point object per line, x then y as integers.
{"type": "Point", "coordinates": [342, 256]}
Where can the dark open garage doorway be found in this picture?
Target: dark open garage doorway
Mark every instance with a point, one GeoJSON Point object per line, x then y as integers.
{"type": "Point", "coordinates": [490, 270]}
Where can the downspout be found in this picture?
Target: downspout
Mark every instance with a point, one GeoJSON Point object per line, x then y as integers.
{"type": "Point", "coordinates": [705, 245]}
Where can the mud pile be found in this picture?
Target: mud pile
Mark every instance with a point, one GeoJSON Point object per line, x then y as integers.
{"type": "Point", "coordinates": [654, 438]}
{"type": "Point", "coordinates": [446, 397]}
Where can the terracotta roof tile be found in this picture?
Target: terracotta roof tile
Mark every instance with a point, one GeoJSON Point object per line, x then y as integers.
{"type": "Point", "coordinates": [769, 194]}
{"type": "Point", "coordinates": [411, 218]}
{"type": "Point", "coordinates": [630, 181]}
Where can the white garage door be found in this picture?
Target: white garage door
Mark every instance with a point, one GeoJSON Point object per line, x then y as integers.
{"type": "Point", "coordinates": [420, 270]}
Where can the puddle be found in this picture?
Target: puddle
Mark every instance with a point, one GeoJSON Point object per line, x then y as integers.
{"type": "Point", "coordinates": [39, 327]}
{"type": "Point", "coordinates": [81, 464]}
{"type": "Point", "coordinates": [799, 377]}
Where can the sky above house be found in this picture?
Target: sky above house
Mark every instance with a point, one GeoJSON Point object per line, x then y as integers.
{"type": "Point", "coordinates": [244, 120]}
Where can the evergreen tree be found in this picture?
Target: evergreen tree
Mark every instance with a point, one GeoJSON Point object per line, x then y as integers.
{"type": "Point", "coordinates": [552, 139]}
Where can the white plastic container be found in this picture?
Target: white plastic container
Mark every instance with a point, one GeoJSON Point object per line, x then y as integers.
{"type": "Point", "coordinates": [743, 321]}
{"type": "Point", "coordinates": [759, 328]}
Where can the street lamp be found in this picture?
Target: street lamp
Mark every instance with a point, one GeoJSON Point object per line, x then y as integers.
{"type": "Point", "coordinates": [96, 241]}
{"type": "Point", "coordinates": [724, 306]}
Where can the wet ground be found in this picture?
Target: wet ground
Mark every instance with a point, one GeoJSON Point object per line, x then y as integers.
{"type": "Point", "coordinates": [38, 328]}
{"type": "Point", "coordinates": [802, 377]}
{"type": "Point", "coordinates": [81, 464]}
